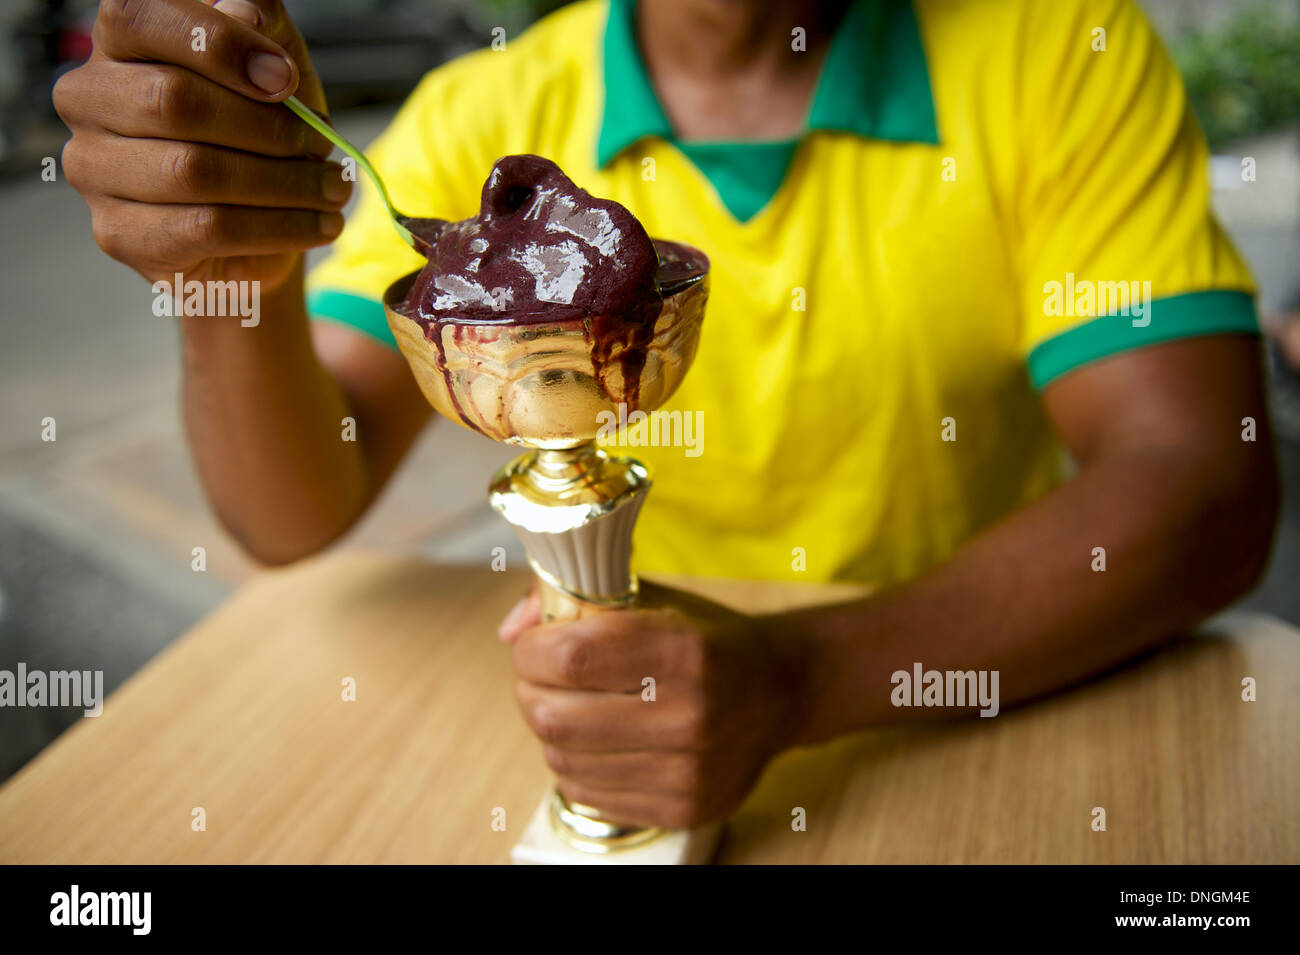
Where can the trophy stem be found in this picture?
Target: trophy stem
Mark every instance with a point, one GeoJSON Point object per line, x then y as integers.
{"type": "Point", "coordinates": [564, 465]}
{"type": "Point", "coordinates": [574, 510]}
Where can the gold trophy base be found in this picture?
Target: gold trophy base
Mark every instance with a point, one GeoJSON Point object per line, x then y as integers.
{"type": "Point", "coordinates": [549, 841]}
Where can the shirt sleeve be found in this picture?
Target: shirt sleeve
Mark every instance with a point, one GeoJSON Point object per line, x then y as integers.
{"type": "Point", "coordinates": [433, 159]}
{"type": "Point", "coordinates": [1120, 247]}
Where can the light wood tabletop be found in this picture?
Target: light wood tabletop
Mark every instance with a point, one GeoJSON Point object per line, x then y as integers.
{"type": "Point", "coordinates": [244, 717]}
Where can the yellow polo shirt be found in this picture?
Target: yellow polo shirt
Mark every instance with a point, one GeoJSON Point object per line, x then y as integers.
{"type": "Point", "coordinates": [985, 198]}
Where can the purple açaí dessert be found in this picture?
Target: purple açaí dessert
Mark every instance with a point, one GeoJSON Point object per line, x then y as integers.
{"type": "Point", "coordinates": [541, 250]}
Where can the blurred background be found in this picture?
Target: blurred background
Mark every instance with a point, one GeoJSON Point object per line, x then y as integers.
{"type": "Point", "coordinates": [97, 528]}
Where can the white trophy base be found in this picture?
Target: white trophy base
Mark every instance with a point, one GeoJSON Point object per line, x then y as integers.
{"type": "Point", "coordinates": [541, 846]}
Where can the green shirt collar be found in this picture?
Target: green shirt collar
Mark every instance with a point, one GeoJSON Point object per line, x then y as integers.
{"type": "Point", "coordinates": [875, 82]}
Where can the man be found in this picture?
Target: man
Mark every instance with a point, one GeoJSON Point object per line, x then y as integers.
{"type": "Point", "coordinates": [948, 238]}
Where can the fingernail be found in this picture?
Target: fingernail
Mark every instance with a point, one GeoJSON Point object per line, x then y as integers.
{"type": "Point", "coordinates": [331, 224]}
{"type": "Point", "coordinates": [240, 10]}
{"type": "Point", "coordinates": [333, 186]}
{"type": "Point", "coordinates": [269, 71]}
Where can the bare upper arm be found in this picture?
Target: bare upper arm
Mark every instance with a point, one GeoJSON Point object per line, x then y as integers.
{"type": "Point", "coordinates": [382, 393]}
{"type": "Point", "coordinates": [1189, 395]}
{"type": "Point", "coordinates": [1168, 422]}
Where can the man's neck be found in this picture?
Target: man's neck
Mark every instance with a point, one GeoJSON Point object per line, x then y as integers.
{"type": "Point", "coordinates": [713, 39]}
{"type": "Point", "coordinates": [728, 69]}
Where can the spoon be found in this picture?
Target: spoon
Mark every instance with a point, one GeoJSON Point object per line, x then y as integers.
{"type": "Point", "coordinates": [418, 232]}
{"type": "Point", "coordinates": [415, 232]}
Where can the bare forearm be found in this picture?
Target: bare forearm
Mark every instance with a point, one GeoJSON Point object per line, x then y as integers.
{"type": "Point", "coordinates": [265, 423]}
{"type": "Point", "coordinates": [1024, 599]}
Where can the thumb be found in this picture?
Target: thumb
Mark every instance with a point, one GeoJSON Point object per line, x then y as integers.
{"type": "Point", "coordinates": [270, 19]}
{"type": "Point", "coordinates": [240, 10]}
{"type": "Point", "coordinates": [524, 615]}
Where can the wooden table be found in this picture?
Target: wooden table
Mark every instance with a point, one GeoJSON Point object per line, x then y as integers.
{"type": "Point", "coordinates": [243, 716]}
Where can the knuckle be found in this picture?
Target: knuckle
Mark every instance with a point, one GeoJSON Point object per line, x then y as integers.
{"type": "Point", "coordinates": [164, 97]}
{"type": "Point", "coordinates": [548, 725]}
{"type": "Point", "coordinates": [560, 761]}
{"type": "Point", "coordinates": [109, 235]}
{"type": "Point", "coordinates": [65, 94]}
{"type": "Point", "coordinates": [120, 15]}
{"type": "Point", "coordinates": [574, 660]}
{"type": "Point", "coordinates": [74, 164]}
{"type": "Point", "coordinates": [205, 226]}
{"type": "Point", "coordinates": [189, 170]}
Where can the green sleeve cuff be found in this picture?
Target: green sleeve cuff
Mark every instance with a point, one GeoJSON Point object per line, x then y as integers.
{"type": "Point", "coordinates": [366, 315]}
{"type": "Point", "coordinates": [1215, 312]}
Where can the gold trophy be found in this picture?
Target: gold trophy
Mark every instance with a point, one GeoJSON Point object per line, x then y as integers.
{"type": "Point", "coordinates": [544, 386]}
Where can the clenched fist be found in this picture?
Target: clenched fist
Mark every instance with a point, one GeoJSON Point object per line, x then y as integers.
{"type": "Point", "coordinates": [728, 695]}
{"type": "Point", "coordinates": [181, 149]}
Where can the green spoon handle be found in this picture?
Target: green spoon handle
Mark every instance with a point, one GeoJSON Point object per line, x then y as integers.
{"type": "Point", "coordinates": [303, 112]}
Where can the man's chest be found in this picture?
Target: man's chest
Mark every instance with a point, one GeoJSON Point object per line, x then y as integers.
{"type": "Point", "coordinates": [871, 274]}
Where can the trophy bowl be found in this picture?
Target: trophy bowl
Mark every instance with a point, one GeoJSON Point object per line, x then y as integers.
{"type": "Point", "coordinates": [539, 384]}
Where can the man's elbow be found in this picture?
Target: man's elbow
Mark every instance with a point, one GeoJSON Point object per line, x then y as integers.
{"type": "Point", "coordinates": [279, 550]}
{"type": "Point", "coordinates": [1244, 513]}
{"type": "Point", "coordinates": [289, 540]}
{"type": "Point", "coordinates": [1257, 543]}
{"type": "Point", "coordinates": [271, 554]}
